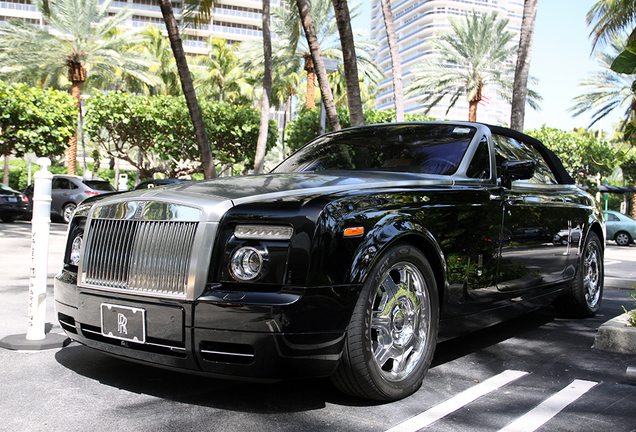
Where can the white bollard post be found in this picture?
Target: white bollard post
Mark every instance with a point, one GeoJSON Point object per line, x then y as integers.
{"type": "Point", "coordinates": [40, 229]}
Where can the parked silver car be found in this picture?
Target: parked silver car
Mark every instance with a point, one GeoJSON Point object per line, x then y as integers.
{"type": "Point", "coordinates": [68, 191]}
{"type": "Point", "coordinates": [620, 228]}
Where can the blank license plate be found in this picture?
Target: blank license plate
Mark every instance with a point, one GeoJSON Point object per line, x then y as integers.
{"type": "Point", "coordinates": [124, 322]}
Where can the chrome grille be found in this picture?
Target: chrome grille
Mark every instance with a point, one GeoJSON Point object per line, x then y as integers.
{"type": "Point", "coordinates": [139, 255]}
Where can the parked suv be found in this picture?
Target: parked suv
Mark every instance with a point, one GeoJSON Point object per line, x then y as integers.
{"type": "Point", "coordinates": [68, 191]}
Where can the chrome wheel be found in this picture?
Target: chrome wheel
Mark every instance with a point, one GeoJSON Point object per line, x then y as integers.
{"type": "Point", "coordinates": [392, 333]}
{"type": "Point", "coordinates": [592, 274]}
{"type": "Point", "coordinates": [399, 321]}
{"type": "Point", "coordinates": [67, 212]}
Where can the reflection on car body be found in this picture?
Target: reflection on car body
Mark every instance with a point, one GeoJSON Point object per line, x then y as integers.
{"type": "Point", "coordinates": [351, 259]}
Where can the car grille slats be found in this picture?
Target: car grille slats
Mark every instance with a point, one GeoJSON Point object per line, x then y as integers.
{"type": "Point", "coordinates": [139, 255]}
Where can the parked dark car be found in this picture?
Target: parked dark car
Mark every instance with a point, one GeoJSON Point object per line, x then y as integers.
{"type": "Point", "coordinates": [68, 191]}
{"type": "Point", "coordinates": [13, 204]}
{"type": "Point", "coordinates": [149, 184]}
{"type": "Point", "coordinates": [351, 259]}
{"type": "Point", "coordinates": [620, 228]}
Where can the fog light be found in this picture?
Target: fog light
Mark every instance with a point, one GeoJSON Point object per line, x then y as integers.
{"type": "Point", "coordinates": [247, 262]}
{"type": "Point", "coordinates": [76, 249]}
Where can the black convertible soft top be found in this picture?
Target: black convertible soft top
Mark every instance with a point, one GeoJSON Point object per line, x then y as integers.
{"type": "Point", "coordinates": [560, 173]}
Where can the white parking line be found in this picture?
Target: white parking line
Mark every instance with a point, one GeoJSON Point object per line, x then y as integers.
{"type": "Point", "coordinates": [535, 418]}
{"type": "Point", "coordinates": [453, 404]}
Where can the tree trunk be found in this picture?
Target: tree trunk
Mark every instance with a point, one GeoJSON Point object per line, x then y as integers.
{"type": "Point", "coordinates": [310, 97]}
{"type": "Point", "coordinates": [472, 104]}
{"type": "Point", "coordinates": [76, 92]}
{"type": "Point", "coordinates": [319, 65]}
{"type": "Point", "coordinates": [396, 66]}
{"type": "Point", "coordinates": [188, 89]}
{"type": "Point", "coordinates": [472, 111]}
{"type": "Point", "coordinates": [261, 143]}
{"type": "Point", "coordinates": [341, 10]}
{"type": "Point", "coordinates": [5, 175]}
{"type": "Point", "coordinates": [520, 86]}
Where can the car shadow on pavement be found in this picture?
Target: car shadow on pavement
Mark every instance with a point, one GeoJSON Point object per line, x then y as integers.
{"type": "Point", "coordinates": [279, 397]}
{"type": "Point", "coordinates": [298, 395]}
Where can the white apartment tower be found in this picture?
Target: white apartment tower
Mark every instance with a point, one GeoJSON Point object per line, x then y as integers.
{"type": "Point", "coordinates": [417, 21]}
{"type": "Point", "coordinates": [233, 20]}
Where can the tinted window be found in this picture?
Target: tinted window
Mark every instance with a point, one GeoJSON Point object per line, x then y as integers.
{"type": "Point", "coordinates": [61, 183]}
{"type": "Point", "coordinates": [429, 149]}
{"type": "Point", "coordinates": [99, 185]}
{"type": "Point", "coordinates": [480, 165]}
{"type": "Point", "coordinates": [507, 148]}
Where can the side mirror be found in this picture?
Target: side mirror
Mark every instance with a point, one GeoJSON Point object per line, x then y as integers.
{"type": "Point", "coordinates": [516, 170]}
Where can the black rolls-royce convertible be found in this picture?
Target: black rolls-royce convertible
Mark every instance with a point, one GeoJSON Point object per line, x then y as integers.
{"type": "Point", "coordinates": [351, 259]}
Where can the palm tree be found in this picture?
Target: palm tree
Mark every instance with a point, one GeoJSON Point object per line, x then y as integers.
{"type": "Point", "coordinates": [343, 20]}
{"type": "Point", "coordinates": [611, 17]}
{"type": "Point", "coordinates": [396, 65]}
{"type": "Point", "coordinates": [606, 90]}
{"type": "Point", "coordinates": [473, 58]}
{"type": "Point", "coordinates": [158, 46]}
{"type": "Point", "coordinates": [520, 86]}
{"type": "Point", "coordinates": [203, 9]}
{"type": "Point", "coordinates": [220, 76]}
{"type": "Point", "coordinates": [318, 64]}
{"type": "Point", "coordinates": [261, 142]}
{"type": "Point", "coordinates": [84, 41]}
{"type": "Point", "coordinates": [290, 49]}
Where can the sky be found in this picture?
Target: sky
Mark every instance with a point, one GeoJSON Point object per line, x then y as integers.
{"type": "Point", "coordinates": [561, 58]}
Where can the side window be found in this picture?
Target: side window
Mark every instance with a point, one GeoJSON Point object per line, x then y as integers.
{"type": "Point", "coordinates": [507, 148]}
{"type": "Point", "coordinates": [61, 183]}
{"type": "Point", "coordinates": [479, 167]}
{"type": "Point", "coordinates": [611, 217]}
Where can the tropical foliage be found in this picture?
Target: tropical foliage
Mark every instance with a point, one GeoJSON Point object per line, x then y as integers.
{"type": "Point", "coordinates": [609, 18]}
{"type": "Point", "coordinates": [83, 39]}
{"type": "Point", "coordinates": [604, 91]}
{"type": "Point", "coordinates": [33, 120]}
{"type": "Point", "coordinates": [583, 154]}
{"type": "Point", "coordinates": [124, 125]}
{"type": "Point", "coordinates": [475, 56]}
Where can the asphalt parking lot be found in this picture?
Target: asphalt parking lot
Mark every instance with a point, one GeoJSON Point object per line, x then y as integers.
{"type": "Point", "coordinates": [512, 376]}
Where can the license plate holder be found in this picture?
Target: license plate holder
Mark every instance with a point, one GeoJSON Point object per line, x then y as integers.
{"type": "Point", "coordinates": [123, 322]}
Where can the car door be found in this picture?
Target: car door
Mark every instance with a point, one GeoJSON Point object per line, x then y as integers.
{"type": "Point", "coordinates": [60, 194]}
{"type": "Point", "coordinates": [538, 223]}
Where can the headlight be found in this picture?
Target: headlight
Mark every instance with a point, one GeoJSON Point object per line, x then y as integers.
{"type": "Point", "coordinates": [247, 263]}
{"type": "Point", "coordinates": [263, 232]}
{"type": "Point", "coordinates": [76, 249]}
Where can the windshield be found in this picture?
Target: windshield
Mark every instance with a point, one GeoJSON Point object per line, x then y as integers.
{"type": "Point", "coordinates": [427, 149]}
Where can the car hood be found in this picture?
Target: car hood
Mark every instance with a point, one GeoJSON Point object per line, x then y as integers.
{"type": "Point", "coordinates": [218, 195]}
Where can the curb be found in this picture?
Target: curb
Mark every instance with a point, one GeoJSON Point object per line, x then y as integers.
{"type": "Point", "coordinates": [618, 283]}
{"type": "Point", "coordinates": [616, 336]}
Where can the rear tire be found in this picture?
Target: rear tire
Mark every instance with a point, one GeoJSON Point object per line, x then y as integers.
{"type": "Point", "coordinates": [583, 298]}
{"type": "Point", "coordinates": [393, 330]}
{"type": "Point", "coordinates": [622, 238]}
{"type": "Point", "coordinates": [7, 218]}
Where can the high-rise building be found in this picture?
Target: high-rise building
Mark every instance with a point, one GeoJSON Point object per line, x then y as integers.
{"type": "Point", "coordinates": [416, 22]}
{"type": "Point", "coordinates": [233, 20]}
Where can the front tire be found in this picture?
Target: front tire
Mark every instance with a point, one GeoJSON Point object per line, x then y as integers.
{"type": "Point", "coordinates": [67, 212]}
{"type": "Point", "coordinates": [623, 239]}
{"type": "Point", "coordinates": [583, 298]}
{"type": "Point", "coordinates": [393, 330]}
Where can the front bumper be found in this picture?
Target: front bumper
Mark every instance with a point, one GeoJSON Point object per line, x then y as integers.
{"type": "Point", "coordinates": [258, 336]}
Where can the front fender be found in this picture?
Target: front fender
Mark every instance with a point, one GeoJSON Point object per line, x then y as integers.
{"type": "Point", "coordinates": [388, 230]}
